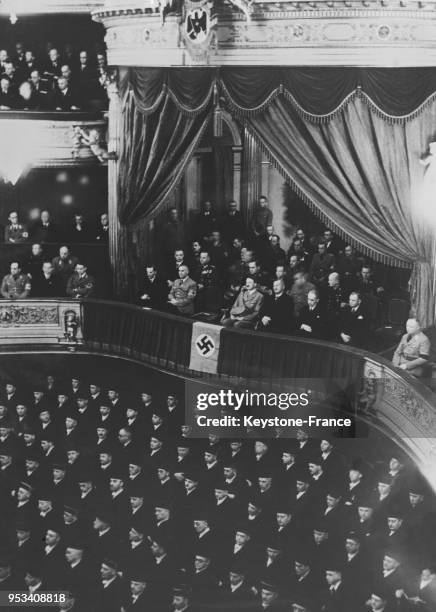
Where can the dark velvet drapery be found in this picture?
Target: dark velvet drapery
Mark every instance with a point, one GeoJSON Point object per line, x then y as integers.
{"type": "Point", "coordinates": [161, 339]}
{"type": "Point", "coordinates": [348, 140]}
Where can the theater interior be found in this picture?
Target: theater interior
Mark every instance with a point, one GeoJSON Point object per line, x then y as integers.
{"type": "Point", "coordinates": [199, 195]}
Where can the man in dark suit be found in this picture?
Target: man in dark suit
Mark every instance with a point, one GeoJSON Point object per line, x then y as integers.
{"type": "Point", "coordinates": [277, 311]}
{"type": "Point", "coordinates": [48, 285]}
{"type": "Point", "coordinates": [138, 591]}
{"type": "Point", "coordinates": [154, 290]}
{"type": "Point", "coordinates": [312, 319]}
{"type": "Point", "coordinates": [44, 230]}
{"type": "Point", "coordinates": [112, 593]}
{"type": "Point", "coordinates": [353, 322]}
{"type": "Point", "coordinates": [322, 264]}
{"type": "Point", "coordinates": [338, 597]}
{"type": "Point", "coordinates": [64, 98]}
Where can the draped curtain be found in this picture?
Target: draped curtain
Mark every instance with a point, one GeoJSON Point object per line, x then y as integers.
{"type": "Point", "coordinates": [349, 141]}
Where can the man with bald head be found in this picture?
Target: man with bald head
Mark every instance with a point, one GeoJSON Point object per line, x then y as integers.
{"type": "Point", "coordinates": [277, 312]}
{"type": "Point", "coordinates": [413, 351]}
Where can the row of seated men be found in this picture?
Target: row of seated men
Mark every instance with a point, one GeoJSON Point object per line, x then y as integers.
{"type": "Point", "coordinates": [286, 302]}
{"type": "Point", "coordinates": [45, 229]}
{"type": "Point", "coordinates": [52, 82]}
{"type": "Point", "coordinates": [224, 235]}
{"type": "Point", "coordinates": [63, 276]}
{"type": "Point", "coordinates": [107, 496]}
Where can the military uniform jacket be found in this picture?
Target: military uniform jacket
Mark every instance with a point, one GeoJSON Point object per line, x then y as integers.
{"type": "Point", "coordinates": [80, 286]}
{"type": "Point", "coordinates": [184, 291]}
{"type": "Point", "coordinates": [411, 348]}
{"type": "Point", "coordinates": [16, 288]}
{"type": "Point", "coordinates": [247, 305]}
{"type": "Point", "coordinates": [16, 233]}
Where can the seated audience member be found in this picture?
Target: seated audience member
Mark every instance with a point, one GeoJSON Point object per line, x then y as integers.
{"type": "Point", "coordinates": [178, 261]}
{"type": "Point", "coordinates": [246, 308]}
{"type": "Point", "coordinates": [8, 98]}
{"type": "Point", "coordinates": [33, 265]}
{"type": "Point", "coordinates": [335, 302]}
{"type": "Point", "coordinates": [209, 296]}
{"type": "Point", "coordinates": [331, 243]}
{"type": "Point", "coordinates": [81, 284]}
{"type": "Point", "coordinates": [283, 274]}
{"type": "Point", "coordinates": [11, 74]}
{"type": "Point", "coordinates": [299, 291]}
{"type": "Point", "coordinates": [218, 252]}
{"type": "Point", "coordinates": [303, 256]}
{"type": "Point", "coordinates": [53, 65]}
{"type": "Point", "coordinates": [183, 292]}
{"type": "Point", "coordinates": [231, 223]}
{"type": "Point", "coordinates": [305, 242]}
{"type": "Point", "coordinates": [260, 276]}
{"type": "Point", "coordinates": [235, 250]}
{"type": "Point", "coordinates": [353, 322]}
{"type": "Point", "coordinates": [30, 63]}
{"type": "Point", "coordinates": [15, 232]}
{"type": "Point", "coordinates": [15, 286]}
{"type": "Point", "coordinates": [273, 254]}
{"type": "Point", "coordinates": [262, 217]}
{"type": "Point", "coordinates": [65, 99]}
{"type": "Point", "coordinates": [47, 284]}
{"type": "Point", "coordinates": [44, 230]}
{"type": "Point", "coordinates": [322, 264]}
{"type": "Point", "coordinates": [64, 264]}
{"type": "Point", "coordinates": [413, 351]}
{"type": "Point", "coordinates": [365, 284]}
{"type": "Point", "coordinates": [196, 250]}
{"type": "Point", "coordinates": [294, 266]}
{"type": "Point", "coordinates": [312, 320]}
{"type": "Point", "coordinates": [78, 232]}
{"type": "Point", "coordinates": [154, 290]}
{"type": "Point", "coordinates": [277, 312]}
{"type": "Point", "coordinates": [205, 222]}
{"type": "Point", "coordinates": [40, 98]}
{"type": "Point", "coordinates": [102, 236]}
{"type": "Point", "coordinates": [348, 267]}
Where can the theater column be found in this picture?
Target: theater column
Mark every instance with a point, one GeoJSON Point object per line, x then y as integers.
{"type": "Point", "coordinates": [114, 134]}
{"type": "Point", "coordinates": [251, 176]}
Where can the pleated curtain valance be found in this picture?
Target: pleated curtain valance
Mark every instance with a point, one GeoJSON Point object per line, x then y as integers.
{"type": "Point", "coordinates": [397, 94]}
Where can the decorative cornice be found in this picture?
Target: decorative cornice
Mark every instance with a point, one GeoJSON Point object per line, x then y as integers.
{"type": "Point", "coordinates": [332, 33]}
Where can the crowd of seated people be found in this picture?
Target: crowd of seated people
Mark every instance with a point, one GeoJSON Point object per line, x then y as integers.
{"type": "Point", "coordinates": [321, 288]}
{"type": "Point", "coordinates": [44, 229]}
{"type": "Point", "coordinates": [58, 81]}
{"type": "Point", "coordinates": [107, 496]}
{"type": "Point", "coordinates": [37, 274]}
{"type": "Point", "coordinates": [64, 276]}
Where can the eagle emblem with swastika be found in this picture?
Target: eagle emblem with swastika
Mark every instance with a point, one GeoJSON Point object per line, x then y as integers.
{"type": "Point", "coordinates": [205, 345]}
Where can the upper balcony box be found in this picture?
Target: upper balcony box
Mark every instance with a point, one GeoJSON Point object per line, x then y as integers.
{"type": "Point", "coordinates": [270, 32]}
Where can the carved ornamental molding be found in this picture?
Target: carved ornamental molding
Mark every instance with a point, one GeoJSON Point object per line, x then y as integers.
{"type": "Point", "coordinates": [326, 32]}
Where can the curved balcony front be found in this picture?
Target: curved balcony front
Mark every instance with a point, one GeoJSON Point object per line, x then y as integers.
{"type": "Point", "coordinates": [404, 409]}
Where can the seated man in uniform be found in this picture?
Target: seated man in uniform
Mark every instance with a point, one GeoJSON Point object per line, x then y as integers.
{"type": "Point", "coordinates": [246, 308]}
{"type": "Point", "coordinates": [414, 349]}
{"type": "Point", "coordinates": [182, 295]}
{"type": "Point", "coordinates": [15, 232]}
{"type": "Point", "coordinates": [15, 286]}
{"type": "Point", "coordinates": [81, 284]}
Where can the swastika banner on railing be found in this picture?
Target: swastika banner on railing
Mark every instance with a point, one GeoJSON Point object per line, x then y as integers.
{"type": "Point", "coordinates": [205, 346]}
